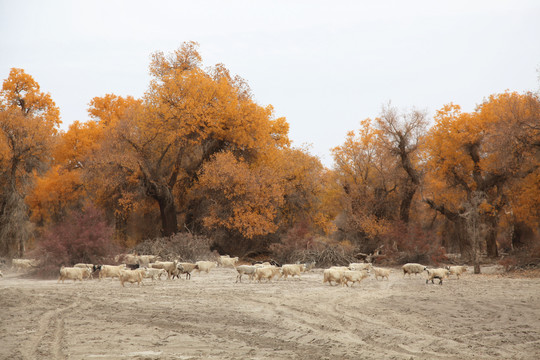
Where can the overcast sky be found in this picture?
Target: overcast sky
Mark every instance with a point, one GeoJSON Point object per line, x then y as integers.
{"type": "Point", "coordinates": [324, 65]}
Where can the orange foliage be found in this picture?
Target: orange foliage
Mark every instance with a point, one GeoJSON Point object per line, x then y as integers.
{"type": "Point", "coordinates": [244, 199]}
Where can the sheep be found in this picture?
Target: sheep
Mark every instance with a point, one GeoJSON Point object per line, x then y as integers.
{"type": "Point", "coordinates": [383, 273]}
{"type": "Point", "coordinates": [205, 266]}
{"type": "Point", "coordinates": [169, 266]}
{"type": "Point", "coordinates": [246, 270]}
{"type": "Point", "coordinates": [154, 273]}
{"type": "Point", "coordinates": [228, 261]}
{"type": "Point", "coordinates": [412, 268]}
{"type": "Point", "coordinates": [91, 267]}
{"type": "Point", "coordinates": [456, 270]}
{"type": "Point", "coordinates": [73, 273]}
{"type": "Point", "coordinates": [111, 271]}
{"type": "Point", "coordinates": [145, 260]}
{"type": "Point", "coordinates": [131, 276]}
{"type": "Point", "coordinates": [186, 268]}
{"type": "Point", "coordinates": [1, 275]}
{"type": "Point", "coordinates": [292, 270]}
{"type": "Point", "coordinates": [23, 264]}
{"type": "Point", "coordinates": [355, 276]}
{"type": "Point", "coordinates": [360, 266]}
{"type": "Point", "coordinates": [335, 274]}
{"type": "Point", "coordinates": [439, 273]}
{"type": "Point", "coordinates": [266, 272]}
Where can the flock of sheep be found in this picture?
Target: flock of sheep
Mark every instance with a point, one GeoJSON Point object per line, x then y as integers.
{"type": "Point", "coordinates": [135, 268]}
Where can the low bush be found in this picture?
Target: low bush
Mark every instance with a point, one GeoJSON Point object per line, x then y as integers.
{"type": "Point", "coordinates": [83, 237]}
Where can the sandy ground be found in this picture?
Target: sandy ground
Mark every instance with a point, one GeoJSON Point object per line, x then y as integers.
{"type": "Point", "coordinates": [212, 317]}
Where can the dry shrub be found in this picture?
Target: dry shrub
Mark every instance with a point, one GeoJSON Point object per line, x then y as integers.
{"type": "Point", "coordinates": [525, 258]}
{"type": "Point", "coordinates": [292, 245]}
{"type": "Point", "coordinates": [297, 246]}
{"type": "Point", "coordinates": [181, 246]}
{"type": "Point", "coordinates": [410, 243]}
{"type": "Point", "coordinates": [83, 237]}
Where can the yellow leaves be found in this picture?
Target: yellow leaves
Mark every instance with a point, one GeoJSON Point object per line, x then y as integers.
{"type": "Point", "coordinates": [243, 199]}
{"type": "Point", "coordinates": [21, 92]}
{"type": "Point", "coordinates": [54, 194]}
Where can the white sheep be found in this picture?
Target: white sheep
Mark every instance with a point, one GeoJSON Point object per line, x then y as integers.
{"type": "Point", "coordinates": [335, 274]}
{"type": "Point", "coordinates": [205, 266]}
{"type": "Point", "coordinates": [185, 268]}
{"type": "Point", "coordinates": [169, 266]}
{"type": "Point", "coordinates": [228, 261]}
{"type": "Point", "coordinates": [292, 270]}
{"type": "Point", "coordinates": [266, 272]}
{"type": "Point", "coordinates": [412, 268]}
{"type": "Point", "coordinates": [145, 260]}
{"type": "Point", "coordinates": [380, 272]}
{"type": "Point", "coordinates": [457, 270]}
{"type": "Point", "coordinates": [1, 275]}
{"type": "Point", "coordinates": [246, 270]}
{"type": "Point", "coordinates": [439, 273]}
{"type": "Point", "coordinates": [355, 276]}
{"type": "Point", "coordinates": [23, 264]}
{"type": "Point", "coordinates": [132, 276]}
{"type": "Point", "coordinates": [155, 273]}
{"type": "Point", "coordinates": [360, 266]}
{"type": "Point", "coordinates": [72, 273]}
{"type": "Point", "coordinates": [111, 271]}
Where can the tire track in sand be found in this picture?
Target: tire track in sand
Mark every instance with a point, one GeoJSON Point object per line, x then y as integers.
{"type": "Point", "coordinates": [47, 341]}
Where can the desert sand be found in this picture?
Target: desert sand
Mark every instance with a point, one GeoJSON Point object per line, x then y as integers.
{"type": "Point", "coordinates": [485, 316]}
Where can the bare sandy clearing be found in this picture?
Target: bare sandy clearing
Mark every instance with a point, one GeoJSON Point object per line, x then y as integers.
{"type": "Point", "coordinates": [212, 317]}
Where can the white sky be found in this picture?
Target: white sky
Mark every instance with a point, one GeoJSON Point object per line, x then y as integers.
{"type": "Point", "coordinates": [324, 65]}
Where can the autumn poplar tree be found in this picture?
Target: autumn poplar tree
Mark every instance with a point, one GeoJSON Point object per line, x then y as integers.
{"type": "Point", "coordinates": [186, 116]}
{"type": "Point", "coordinates": [473, 160]}
{"type": "Point", "coordinates": [29, 121]}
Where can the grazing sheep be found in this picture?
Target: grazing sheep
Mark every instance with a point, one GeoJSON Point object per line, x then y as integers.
{"type": "Point", "coordinates": [205, 266]}
{"type": "Point", "coordinates": [360, 266]}
{"type": "Point", "coordinates": [292, 270]}
{"type": "Point", "coordinates": [335, 274]}
{"type": "Point", "coordinates": [246, 270]}
{"type": "Point", "coordinates": [383, 273]}
{"type": "Point", "coordinates": [111, 271]}
{"type": "Point", "coordinates": [412, 268]}
{"type": "Point", "coordinates": [457, 270]}
{"type": "Point", "coordinates": [186, 268]}
{"type": "Point", "coordinates": [439, 273]}
{"type": "Point", "coordinates": [228, 261]}
{"type": "Point", "coordinates": [1, 275]}
{"type": "Point", "coordinates": [266, 272]}
{"type": "Point", "coordinates": [73, 273]}
{"type": "Point", "coordinates": [132, 276]}
{"type": "Point", "coordinates": [355, 276]}
{"type": "Point", "coordinates": [169, 266]}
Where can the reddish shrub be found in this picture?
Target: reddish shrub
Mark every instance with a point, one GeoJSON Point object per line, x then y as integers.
{"type": "Point", "coordinates": [84, 236]}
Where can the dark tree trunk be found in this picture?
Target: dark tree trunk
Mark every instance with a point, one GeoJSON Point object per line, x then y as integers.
{"type": "Point", "coordinates": [491, 237]}
{"type": "Point", "coordinates": [167, 209]}
{"type": "Point", "coordinates": [466, 248]}
{"type": "Point", "coordinates": [405, 206]}
{"type": "Point", "coordinates": [465, 245]}
{"type": "Point", "coordinates": [520, 234]}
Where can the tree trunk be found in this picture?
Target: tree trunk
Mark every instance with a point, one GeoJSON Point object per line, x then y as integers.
{"type": "Point", "coordinates": [466, 247]}
{"type": "Point", "coordinates": [491, 237]}
{"type": "Point", "coordinates": [167, 209]}
{"type": "Point", "coordinates": [406, 200]}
